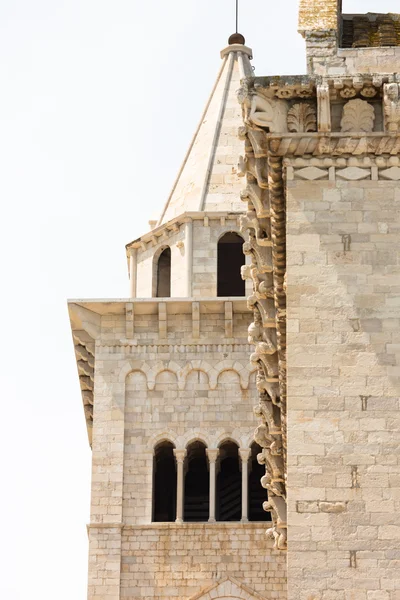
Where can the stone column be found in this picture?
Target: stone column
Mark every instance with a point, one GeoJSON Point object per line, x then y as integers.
{"type": "Point", "coordinates": [244, 455]}
{"type": "Point", "coordinates": [212, 458]}
{"type": "Point", "coordinates": [189, 256]}
{"type": "Point", "coordinates": [132, 272]}
{"type": "Point", "coordinates": [180, 458]}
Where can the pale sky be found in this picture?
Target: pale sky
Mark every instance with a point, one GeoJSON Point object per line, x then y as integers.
{"type": "Point", "coordinates": [99, 101]}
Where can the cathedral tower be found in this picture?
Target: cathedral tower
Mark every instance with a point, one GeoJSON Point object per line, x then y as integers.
{"type": "Point", "coordinates": [323, 182]}
{"type": "Point", "coordinates": [168, 391]}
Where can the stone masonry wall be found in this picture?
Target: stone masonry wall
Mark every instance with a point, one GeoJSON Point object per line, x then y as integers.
{"type": "Point", "coordinates": [149, 389]}
{"type": "Point", "coordinates": [174, 562]}
{"type": "Point", "coordinates": [343, 292]}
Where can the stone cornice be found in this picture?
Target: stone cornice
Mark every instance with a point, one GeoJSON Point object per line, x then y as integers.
{"type": "Point", "coordinates": [333, 144]}
{"type": "Point", "coordinates": [325, 144]}
{"type": "Point", "coordinates": [162, 232]}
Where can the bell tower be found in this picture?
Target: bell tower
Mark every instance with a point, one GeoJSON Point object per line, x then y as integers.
{"type": "Point", "coordinates": [168, 390]}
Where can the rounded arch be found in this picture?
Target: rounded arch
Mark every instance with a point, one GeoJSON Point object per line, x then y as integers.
{"type": "Point", "coordinates": [229, 263]}
{"type": "Point", "coordinates": [130, 366]}
{"type": "Point", "coordinates": [161, 276]}
{"type": "Point", "coordinates": [163, 436]}
{"type": "Point", "coordinates": [194, 436]}
{"type": "Point", "coordinates": [235, 230]}
{"type": "Point", "coordinates": [233, 365]}
{"type": "Point", "coordinates": [226, 438]}
{"type": "Point", "coordinates": [159, 374]}
{"type": "Point", "coordinates": [198, 365]}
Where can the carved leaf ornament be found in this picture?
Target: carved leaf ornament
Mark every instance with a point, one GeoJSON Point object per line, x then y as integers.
{"type": "Point", "coordinates": [302, 118]}
{"type": "Point", "coordinates": [358, 115]}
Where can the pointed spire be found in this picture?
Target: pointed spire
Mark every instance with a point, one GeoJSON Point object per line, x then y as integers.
{"type": "Point", "coordinates": [207, 180]}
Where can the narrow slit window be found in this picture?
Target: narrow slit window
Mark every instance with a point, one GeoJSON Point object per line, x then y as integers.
{"type": "Point", "coordinates": [164, 483]}
{"type": "Point", "coordinates": [229, 484]}
{"type": "Point", "coordinates": [230, 261]}
{"type": "Point", "coordinates": [196, 498]}
{"type": "Point", "coordinates": [164, 274]}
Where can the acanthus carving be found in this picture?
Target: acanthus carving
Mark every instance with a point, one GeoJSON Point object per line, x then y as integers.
{"type": "Point", "coordinates": [302, 118]}
{"type": "Point", "coordinates": [358, 115]}
{"type": "Point", "coordinates": [391, 107]}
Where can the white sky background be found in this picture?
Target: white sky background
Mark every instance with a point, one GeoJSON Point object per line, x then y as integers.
{"type": "Point", "coordinates": [99, 101]}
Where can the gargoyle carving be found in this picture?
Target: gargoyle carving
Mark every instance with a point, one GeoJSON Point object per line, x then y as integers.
{"type": "Point", "coordinates": [269, 113]}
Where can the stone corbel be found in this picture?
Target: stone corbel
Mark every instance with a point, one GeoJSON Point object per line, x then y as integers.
{"type": "Point", "coordinates": [324, 108]}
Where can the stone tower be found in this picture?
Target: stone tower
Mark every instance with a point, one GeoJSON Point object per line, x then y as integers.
{"type": "Point", "coordinates": [323, 182]}
{"type": "Point", "coordinates": [166, 381]}
{"type": "Point", "coordinates": [168, 391]}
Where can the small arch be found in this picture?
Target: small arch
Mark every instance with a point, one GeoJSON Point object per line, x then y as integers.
{"type": "Point", "coordinates": [162, 274]}
{"type": "Point", "coordinates": [229, 263]}
{"type": "Point", "coordinates": [197, 483]}
{"type": "Point", "coordinates": [164, 483]}
{"type": "Point", "coordinates": [229, 483]}
{"type": "Point", "coordinates": [164, 436]}
{"type": "Point", "coordinates": [166, 376]}
{"type": "Point", "coordinates": [191, 437]}
{"type": "Point", "coordinates": [257, 494]}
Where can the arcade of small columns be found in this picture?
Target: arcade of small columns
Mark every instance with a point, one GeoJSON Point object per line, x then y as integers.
{"type": "Point", "coordinates": [212, 455]}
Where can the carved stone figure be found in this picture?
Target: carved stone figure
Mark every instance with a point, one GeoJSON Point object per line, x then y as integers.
{"type": "Point", "coordinates": [391, 107]}
{"type": "Point", "coordinates": [269, 113]}
{"type": "Point", "coordinates": [302, 118]}
{"type": "Point", "coordinates": [324, 108]}
{"type": "Point", "coordinates": [358, 115]}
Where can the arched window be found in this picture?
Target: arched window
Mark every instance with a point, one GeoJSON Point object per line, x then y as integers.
{"type": "Point", "coordinates": [257, 494]}
{"type": "Point", "coordinates": [164, 483]}
{"type": "Point", "coordinates": [163, 289]}
{"type": "Point", "coordinates": [230, 261]}
{"type": "Point", "coordinates": [229, 484]}
{"type": "Point", "coordinates": [196, 498]}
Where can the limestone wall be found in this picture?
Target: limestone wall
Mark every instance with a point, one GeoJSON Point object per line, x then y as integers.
{"type": "Point", "coordinates": [343, 276]}
{"type": "Point", "coordinates": [177, 375]}
{"type": "Point", "coordinates": [191, 259]}
{"type": "Point", "coordinates": [175, 562]}
{"type": "Point", "coordinates": [324, 58]}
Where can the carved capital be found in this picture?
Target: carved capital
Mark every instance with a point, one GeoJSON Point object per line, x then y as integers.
{"type": "Point", "coordinates": [244, 454]}
{"type": "Point", "coordinates": [212, 454]}
{"type": "Point", "coordinates": [180, 455]}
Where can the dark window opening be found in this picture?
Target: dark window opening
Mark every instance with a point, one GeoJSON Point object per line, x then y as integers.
{"type": "Point", "coordinates": [196, 498]}
{"type": "Point", "coordinates": [229, 484]}
{"type": "Point", "coordinates": [164, 274]}
{"type": "Point", "coordinates": [257, 494]}
{"type": "Point", "coordinates": [164, 490]}
{"type": "Point", "coordinates": [230, 261]}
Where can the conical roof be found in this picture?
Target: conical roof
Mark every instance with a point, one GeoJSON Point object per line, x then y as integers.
{"type": "Point", "coordinates": [208, 180]}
